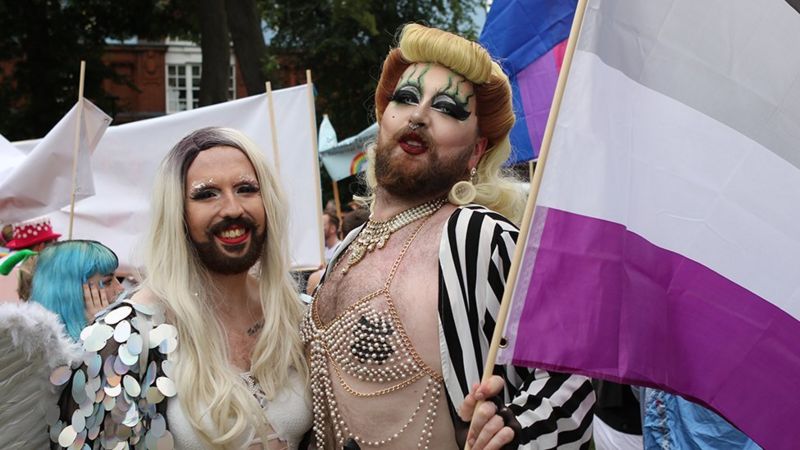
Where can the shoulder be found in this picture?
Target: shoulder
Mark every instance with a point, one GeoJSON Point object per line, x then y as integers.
{"type": "Point", "coordinates": [481, 216]}
{"type": "Point", "coordinates": [145, 296]}
{"type": "Point", "coordinates": [474, 226]}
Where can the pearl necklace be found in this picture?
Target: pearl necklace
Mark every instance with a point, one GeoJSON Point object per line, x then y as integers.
{"type": "Point", "coordinates": [375, 234]}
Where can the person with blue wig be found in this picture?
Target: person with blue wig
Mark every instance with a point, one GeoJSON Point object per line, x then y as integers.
{"type": "Point", "coordinates": [40, 338]}
{"type": "Point", "coordinates": [75, 279]}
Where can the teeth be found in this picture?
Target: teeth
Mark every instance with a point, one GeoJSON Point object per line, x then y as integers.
{"type": "Point", "coordinates": [232, 234]}
{"type": "Point", "coordinates": [417, 143]}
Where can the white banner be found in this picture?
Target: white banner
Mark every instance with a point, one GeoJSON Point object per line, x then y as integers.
{"type": "Point", "coordinates": [39, 182]}
{"type": "Point", "coordinates": [126, 160]}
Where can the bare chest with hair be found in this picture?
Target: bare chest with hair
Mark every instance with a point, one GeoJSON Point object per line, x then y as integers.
{"type": "Point", "coordinates": [411, 276]}
{"type": "Point", "coordinates": [385, 307]}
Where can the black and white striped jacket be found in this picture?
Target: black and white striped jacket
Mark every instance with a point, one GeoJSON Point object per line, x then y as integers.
{"type": "Point", "coordinates": [477, 245]}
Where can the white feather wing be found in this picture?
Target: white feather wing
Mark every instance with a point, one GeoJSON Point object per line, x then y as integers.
{"type": "Point", "coordinates": [33, 343]}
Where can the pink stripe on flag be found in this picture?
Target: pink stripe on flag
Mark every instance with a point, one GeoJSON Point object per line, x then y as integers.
{"type": "Point", "coordinates": [607, 303]}
{"type": "Point", "coordinates": [537, 84]}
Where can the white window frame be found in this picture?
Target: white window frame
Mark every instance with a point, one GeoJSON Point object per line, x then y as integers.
{"type": "Point", "coordinates": [188, 55]}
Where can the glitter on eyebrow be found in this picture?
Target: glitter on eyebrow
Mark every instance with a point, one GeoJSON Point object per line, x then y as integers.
{"type": "Point", "coordinates": [198, 185]}
{"type": "Point", "coordinates": [248, 179]}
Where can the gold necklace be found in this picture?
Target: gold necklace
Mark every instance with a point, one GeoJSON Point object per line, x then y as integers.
{"type": "Point", "coordinates": [375, 234]}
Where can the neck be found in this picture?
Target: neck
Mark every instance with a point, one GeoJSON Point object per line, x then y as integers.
{"type": "Point", "coordinates": [237, 295]}
{"type": "Point", "coordinates": [331, 240]}
{"type": "Point", "coordinates": [387, 205]}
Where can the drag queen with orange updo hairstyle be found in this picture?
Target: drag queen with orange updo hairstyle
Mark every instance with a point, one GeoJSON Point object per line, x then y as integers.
{"type": "Point", "coordinates": [398, 332]}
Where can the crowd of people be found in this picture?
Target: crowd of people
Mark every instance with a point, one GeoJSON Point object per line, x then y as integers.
{"type": "Point", "coordinates": [215, 348]}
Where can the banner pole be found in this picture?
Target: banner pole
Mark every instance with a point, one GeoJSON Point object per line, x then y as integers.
{"type": "Point", "coordinates": [335, 185]}
{"type": "Point", "coordinates": [536, 181]}
{"type": "Point", "coordinates": [273, 130]}
{"type": "Point", "coordinates": [75, 147]}
{"type": "Point", "coordinates": [314, 131]}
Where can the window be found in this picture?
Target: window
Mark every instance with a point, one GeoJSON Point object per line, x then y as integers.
{"type": "Point", "coordinates": [183, 86]}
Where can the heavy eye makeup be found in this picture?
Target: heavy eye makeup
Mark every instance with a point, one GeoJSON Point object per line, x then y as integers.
{"type": "Point", "coordinates": [106, 281]}
{"type": "Point", "coordinates": [406, 95]}
{"type": "Point", "coordinates": [203, 192]}
{"type": "Point", "coordinates": [247, 187]}
{"type": "Point", "coordinates": [451, 107]}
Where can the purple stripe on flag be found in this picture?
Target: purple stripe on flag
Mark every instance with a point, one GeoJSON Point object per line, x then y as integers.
{"type": "Point", "coordinates": [537, 84]}
{"type": "Point", "coordinates": [605, 302]}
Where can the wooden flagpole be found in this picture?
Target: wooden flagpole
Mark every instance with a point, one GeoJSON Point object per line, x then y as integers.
{"type": "Point", "coordinates": [273, 130]}
{"type": "Point", "coordinates": [313, 118]}
{"type": "Point", "coordinates": [502, 315]}
{"type": "Point", "coordinates": [75, 147]}
{"type": "Point", "coordinates": [335, 185]}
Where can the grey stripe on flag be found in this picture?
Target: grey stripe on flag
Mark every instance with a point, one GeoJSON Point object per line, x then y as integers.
{"type": "Point", "coordinates": [737, 61]}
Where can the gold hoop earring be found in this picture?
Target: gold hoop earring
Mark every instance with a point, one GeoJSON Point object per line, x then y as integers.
{"type": "Point", "coordinates": [464, 192]}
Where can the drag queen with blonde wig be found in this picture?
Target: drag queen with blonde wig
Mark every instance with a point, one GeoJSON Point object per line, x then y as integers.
{"type": "Point", "coordinates": [218, 312]}
{"type": "Point", "coordinates": [492, 188]}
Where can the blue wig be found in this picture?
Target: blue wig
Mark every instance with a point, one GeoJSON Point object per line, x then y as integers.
{"type": "Point", "coordinates": [61, 271]}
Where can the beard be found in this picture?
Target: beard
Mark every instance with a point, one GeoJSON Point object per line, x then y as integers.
{"type": "Point", "coordinates": [424, 179]}
{"type": "Point", "coordinates": [216, 261]}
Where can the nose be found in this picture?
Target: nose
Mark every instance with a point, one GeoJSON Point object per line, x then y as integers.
{"type": "Point", "coordinates": [420, 115]}
{"type": "Point", "coordinates": [231, 206]}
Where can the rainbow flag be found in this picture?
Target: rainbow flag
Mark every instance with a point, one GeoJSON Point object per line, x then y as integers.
{"type": "Point", "coordinates": [664, 249]}
{"type": "Point", "coordinates": [528, 37]}
{"type": "Point", "coordinates": [348, 157]}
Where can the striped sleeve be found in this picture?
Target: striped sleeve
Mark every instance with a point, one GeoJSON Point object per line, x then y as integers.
{"type": "Point", "coordinates": [554, 409]}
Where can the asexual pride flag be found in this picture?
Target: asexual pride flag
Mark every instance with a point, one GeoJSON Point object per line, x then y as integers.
{"type": "Point", "coordinates": [665, 245]}
{"type": "Point", "coordinates": [528, 37]}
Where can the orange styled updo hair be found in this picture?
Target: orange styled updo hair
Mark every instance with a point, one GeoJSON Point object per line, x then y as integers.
{"type": "Point", "coordinates": [494, 111]}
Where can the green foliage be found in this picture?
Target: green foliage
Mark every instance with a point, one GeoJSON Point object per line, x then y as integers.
{"type": "Point", "coordinates": [44, 42]}
{"type": "Point", "coordinates": [344, 43]}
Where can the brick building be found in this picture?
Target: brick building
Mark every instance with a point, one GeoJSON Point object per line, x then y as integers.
{"type": "Point", "coordinates": [164, 78]}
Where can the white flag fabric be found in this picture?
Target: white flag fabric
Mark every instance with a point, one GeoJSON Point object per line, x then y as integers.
{"type": "Point", "coordinates": [41, 181]}
{"type": "Point", "coordinates": [126, 160]}
{"type": "Point", "coordinates": [327, 135]}
{"type": "Point", "coordinates": [10, 157]}
{"type": "Point", "coordinates": [664, 250]}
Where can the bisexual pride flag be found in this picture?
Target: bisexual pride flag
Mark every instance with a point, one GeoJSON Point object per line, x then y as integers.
{"type": "Point", "coordinates": [528, 38]}
{"type": "Point", "coordinates": [664, 249]}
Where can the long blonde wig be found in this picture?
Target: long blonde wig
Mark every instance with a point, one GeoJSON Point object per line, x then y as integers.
{"type": "Point", "coordinates": [495, 188]}
{"type": "Point", "coordinates": [210, 390]}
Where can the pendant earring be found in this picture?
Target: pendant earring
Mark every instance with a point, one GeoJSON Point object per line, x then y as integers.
{"type": "Point", "coordinates": [464, 192]}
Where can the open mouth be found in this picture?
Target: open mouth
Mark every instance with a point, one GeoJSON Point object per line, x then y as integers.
{"type": "Point", "coordinates": [412, 143]}
{"type": "Point", "coordinates": [233, 235]}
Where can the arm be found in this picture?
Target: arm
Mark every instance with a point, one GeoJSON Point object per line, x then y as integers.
{"type": "Point", "coordinates": [117, 392]}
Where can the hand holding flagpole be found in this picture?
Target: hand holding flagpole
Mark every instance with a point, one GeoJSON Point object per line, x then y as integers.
{"type": "Point", "coordinates": [75, 149]}
{"type": "Point", "coordinates": [536, 181]}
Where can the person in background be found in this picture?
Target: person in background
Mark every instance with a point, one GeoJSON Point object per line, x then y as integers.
{"type": "Point", "coordinates": [350, 221]}
{"type": "Point", "coordinates": [674, 423]}
{"type": "Point", "coordinates": [330, 231]}
{"type": "Point", "coordinates": [33, 235]}
{"type": "Point", "coordinates": [74, 280]}
{"type": "Point", "coordinates": [617, 417]}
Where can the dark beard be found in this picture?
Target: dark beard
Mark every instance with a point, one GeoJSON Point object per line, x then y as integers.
{"type": "Point", "coordinates": [433, 179]}
{"type": "Point", "coordinates": [215, 261]}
